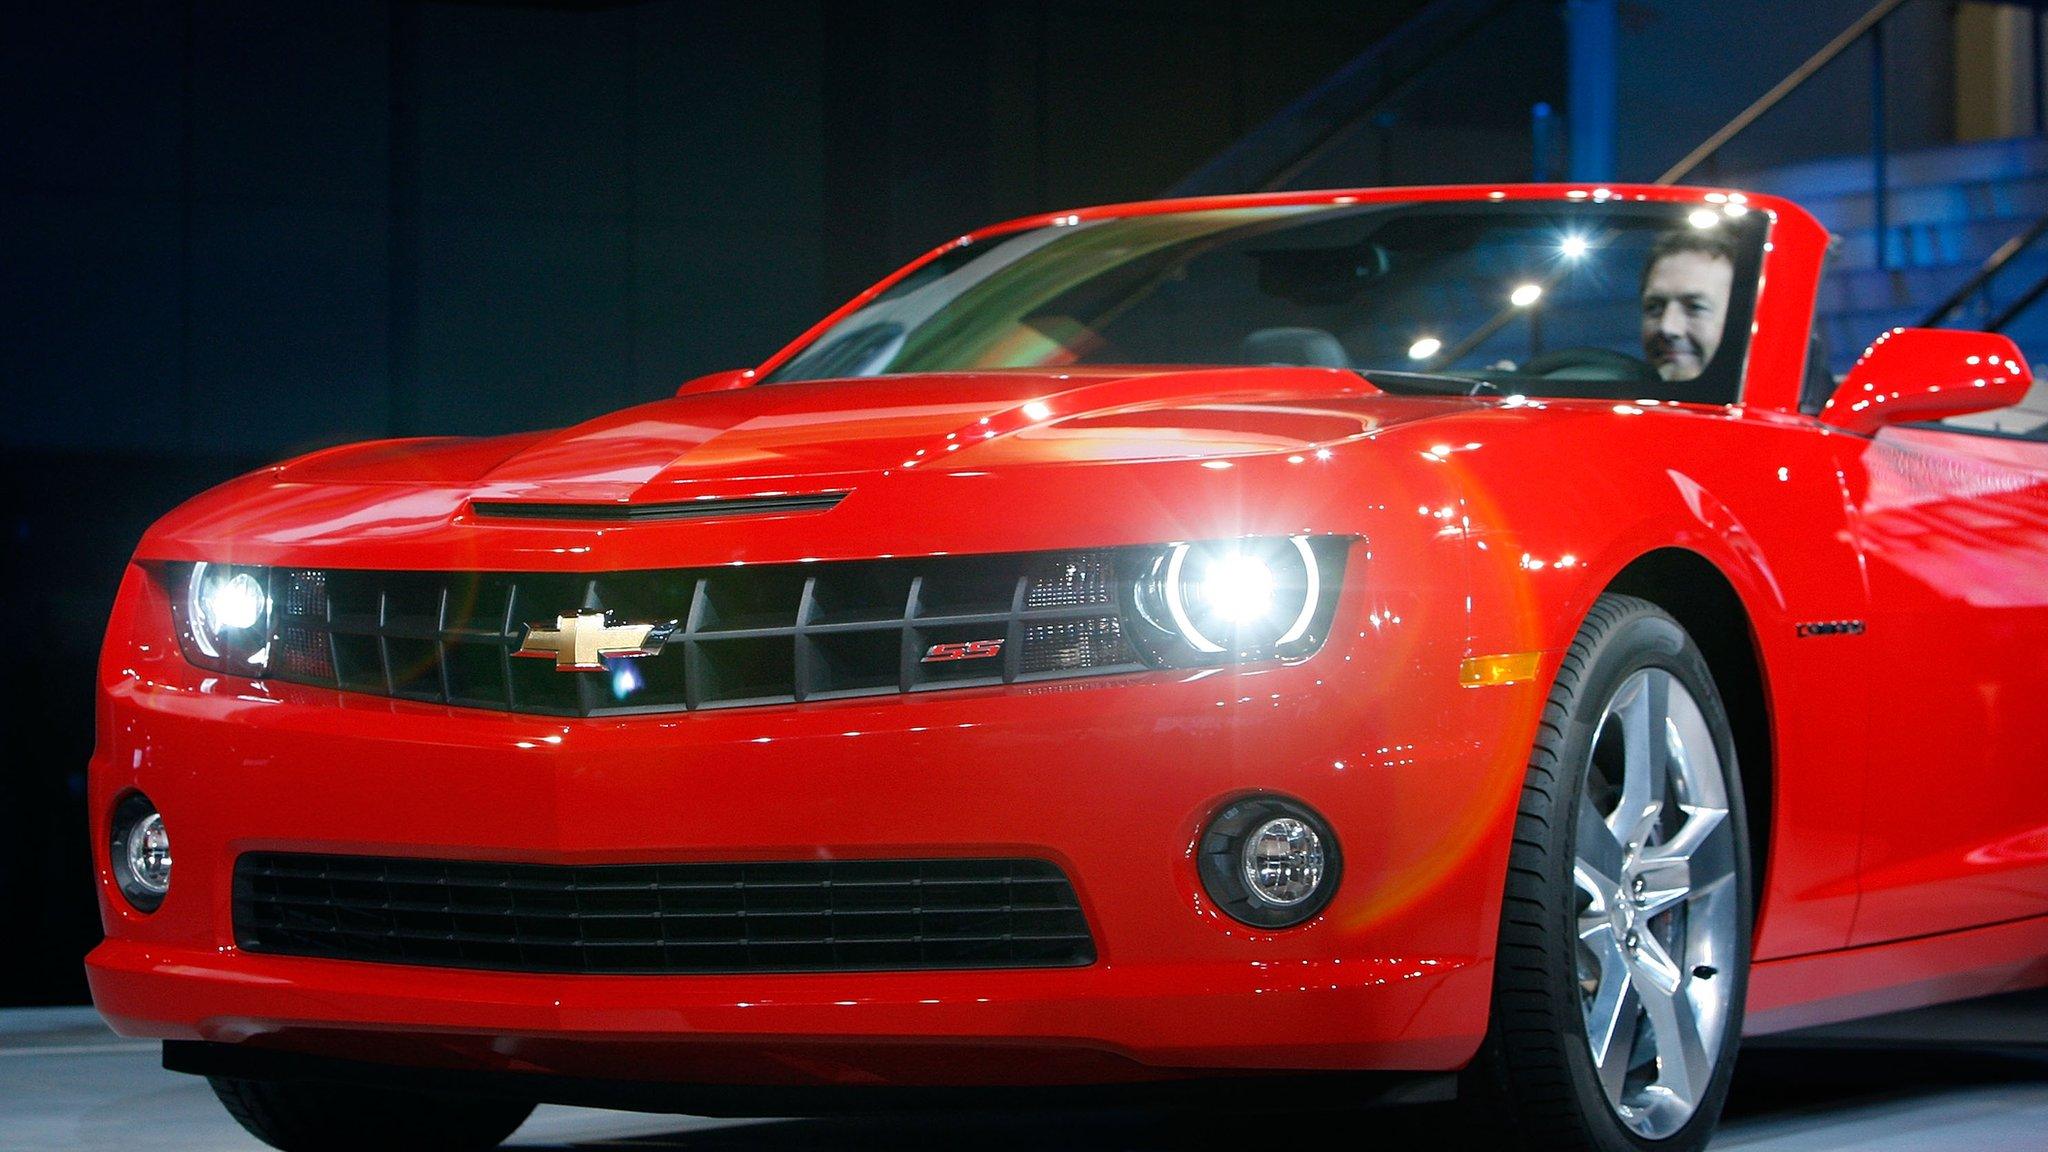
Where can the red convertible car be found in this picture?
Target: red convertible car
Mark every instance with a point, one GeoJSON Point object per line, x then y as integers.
{"type": "Point", "coordinates": [1436, 639]}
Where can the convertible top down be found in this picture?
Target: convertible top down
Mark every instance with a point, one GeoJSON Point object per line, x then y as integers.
{"type": "Point", "coordinates": [1435, 632]}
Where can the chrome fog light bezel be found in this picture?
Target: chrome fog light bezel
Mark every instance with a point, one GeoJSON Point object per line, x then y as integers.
{"type": "Point", "coordinates": [135, 819]}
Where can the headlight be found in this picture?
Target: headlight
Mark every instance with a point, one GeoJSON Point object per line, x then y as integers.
{"type": "Point", "coordinates": [1237, 599]}
{"type": "Point", "coordinates": [223, 616]}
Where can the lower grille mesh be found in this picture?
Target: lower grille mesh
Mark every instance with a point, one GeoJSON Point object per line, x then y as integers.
{"type": "Point", "coordinates": [800, 916]}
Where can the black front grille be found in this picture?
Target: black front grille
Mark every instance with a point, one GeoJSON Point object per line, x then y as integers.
{"type": "Point", "coordinates": [800, 916]}
{"type": "Point", "coordinates": [742, 635]}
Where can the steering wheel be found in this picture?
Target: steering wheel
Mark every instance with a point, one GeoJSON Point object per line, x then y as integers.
{"type": "Point", "coordinates": [1591, 364]}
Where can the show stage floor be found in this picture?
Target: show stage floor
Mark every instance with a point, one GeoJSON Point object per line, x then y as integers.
{"type": "Point", "coordinates": [1957, 1079]}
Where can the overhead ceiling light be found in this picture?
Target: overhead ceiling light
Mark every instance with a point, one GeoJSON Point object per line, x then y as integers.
{"type": "Point", "coordinates": [1525, 295]}
{"type": "Point", "coordinates": [1573, 247]}
{"type": "Point", "coordinates": [1424, 348]}
{"type": "Point", "coordinates": [1704, 218]}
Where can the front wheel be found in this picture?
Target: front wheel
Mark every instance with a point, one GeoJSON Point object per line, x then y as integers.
{"type": "Point", "coordinates": [314, 1116]}
{"type": "Point", "coordinates": [1625, 933]}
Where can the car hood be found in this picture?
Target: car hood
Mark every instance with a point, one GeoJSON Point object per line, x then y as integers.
{"type": "Point", "coordinates": [811, 435]}
{"type": "Point", "coordinates": [901, 450]}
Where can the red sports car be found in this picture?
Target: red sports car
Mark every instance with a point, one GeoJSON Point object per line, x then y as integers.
{"type": "Point", "coordinates": [1457, 637]}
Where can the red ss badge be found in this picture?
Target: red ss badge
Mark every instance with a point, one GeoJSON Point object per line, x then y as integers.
{"type": "Point", "coordinates": [966, 650]}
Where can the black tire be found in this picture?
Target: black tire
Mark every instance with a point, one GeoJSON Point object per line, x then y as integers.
{"type": "Point", "coordinates": [1535, 1081]}
{"type": "Point", "coordinates": [316, 1116]}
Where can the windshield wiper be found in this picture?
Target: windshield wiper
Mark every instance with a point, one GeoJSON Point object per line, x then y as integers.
{"type": "Point", "coordinates": [1428, 383]}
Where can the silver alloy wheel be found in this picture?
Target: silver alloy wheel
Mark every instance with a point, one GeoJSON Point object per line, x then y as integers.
{"type": "Point", "coordinates": [1653, 859]}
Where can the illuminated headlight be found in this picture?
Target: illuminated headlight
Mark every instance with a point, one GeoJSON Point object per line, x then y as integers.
{"type": "Point", "coordinates": [1227, 599]}
{"type": "Point", "coordinates": [223, 616]}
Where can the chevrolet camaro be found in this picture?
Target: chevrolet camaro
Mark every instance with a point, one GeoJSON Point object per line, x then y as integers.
{"type": "Point", "coordinates": [1410, 642]}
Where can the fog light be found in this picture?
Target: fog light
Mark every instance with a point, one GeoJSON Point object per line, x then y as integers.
{"type": "Point", "coordinates": [141, 852]}
{"type": "Point", "coordinates": [1269, 861]}
{"type": "Point", "coordinates": [1283, 862]}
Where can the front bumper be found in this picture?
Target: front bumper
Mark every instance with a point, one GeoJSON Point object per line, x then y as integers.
{"type": "Point", "coordinates": [1112, 779]}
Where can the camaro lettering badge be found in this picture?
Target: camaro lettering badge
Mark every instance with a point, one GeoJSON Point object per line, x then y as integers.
{"type": "Point", "coordinates": [583, 642]}
{"type": "Point", "coordinates": [967, 650]}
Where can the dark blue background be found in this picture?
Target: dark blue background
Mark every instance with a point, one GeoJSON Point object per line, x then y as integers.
{"type": "Point", "coordinates": [233, 230]}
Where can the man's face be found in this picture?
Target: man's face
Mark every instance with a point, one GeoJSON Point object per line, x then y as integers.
{"type": "Point", "coordinates": [1685, 303]}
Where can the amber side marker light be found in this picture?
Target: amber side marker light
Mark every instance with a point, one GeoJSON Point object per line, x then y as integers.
{"type": "Point", "coordinates": [1488, 671]}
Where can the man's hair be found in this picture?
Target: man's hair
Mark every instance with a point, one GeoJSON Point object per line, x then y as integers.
{"type": "Point", "coordinates": [1710, 242]}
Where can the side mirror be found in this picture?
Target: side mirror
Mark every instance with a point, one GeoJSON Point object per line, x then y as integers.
{"type": "Point", "coordinates": [718, 382]}
{"type": "Point", "coordinates": [1913, 374]}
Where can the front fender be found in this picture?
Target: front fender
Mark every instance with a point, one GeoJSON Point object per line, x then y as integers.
{"type": "Point", "coordinates": [1561, 497]}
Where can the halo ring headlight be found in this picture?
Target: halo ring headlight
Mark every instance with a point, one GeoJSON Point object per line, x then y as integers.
{"type": "Point", "coordinates": [223, 616]}
{"type": "Point", "coordinates": [1256, 596]}
{"type": "Point", "coordinates": [1308, 602]}
{"type": "Point", "coordinates": [1176, 602]}
{"type": "Point", "coordinates": [235, 604]}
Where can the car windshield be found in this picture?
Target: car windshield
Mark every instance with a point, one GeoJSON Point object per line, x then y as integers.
{"type": "Point", "coordinates": [1594, 297]}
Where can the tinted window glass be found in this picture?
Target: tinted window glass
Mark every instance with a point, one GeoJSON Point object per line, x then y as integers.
{"type": "Point", "coordinates": [1587, 298]}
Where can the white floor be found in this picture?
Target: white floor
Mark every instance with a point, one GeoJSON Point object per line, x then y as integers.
{"type": "Point", "coordinates": [67, 1084]}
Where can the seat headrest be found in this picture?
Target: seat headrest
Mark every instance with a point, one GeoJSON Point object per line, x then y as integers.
{"type": "Point", "coordinates": [1294, 347]}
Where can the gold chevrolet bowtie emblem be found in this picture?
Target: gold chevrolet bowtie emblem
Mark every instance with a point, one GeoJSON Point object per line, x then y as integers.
{"type": "Point", "coordinates": [582, 643]}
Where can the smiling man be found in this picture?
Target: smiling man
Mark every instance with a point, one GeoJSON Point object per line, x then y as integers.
{"type": "Point", "coordinates": [1685, 300]}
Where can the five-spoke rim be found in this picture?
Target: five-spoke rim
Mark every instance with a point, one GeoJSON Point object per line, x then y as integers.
{"type": "Point", "coordinates": [1654, 866]}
